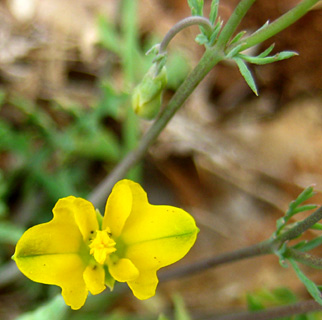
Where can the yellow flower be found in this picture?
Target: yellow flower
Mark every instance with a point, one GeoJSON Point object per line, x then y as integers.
{"type": "Point", "coordinates": [80, 251]}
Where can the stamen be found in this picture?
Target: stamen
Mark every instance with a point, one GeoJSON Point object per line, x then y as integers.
{"type": "Point", "coordinates": [102, 245]}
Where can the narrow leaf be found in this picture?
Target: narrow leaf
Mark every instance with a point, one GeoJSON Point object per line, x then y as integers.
{"type": "Point", "coordinates": [215, 32]}
{"type": "Point", "coordinates": [277, 57]}
{"type": "Point", "coordinates": [237, 37]}
{"type": "Point", "coordinates": [306, 194]}
{"type": "Point", "coordinates": [246, 74]}
{"type": "Point", "coordinates": [196, 7]}
{"type": "Point", "coordinates": [311, 287]}
{"type": "Point", "coordinates": [304, 208]}
{"type": "Point", "coordinates": [214, 11]}
{"type": "Point", "coordinates": [266, 52]}
{"type": "Point", "coordinates": [310, 245]}
{"type": "Point", "coordinates": [234, 52]}
{"type": "Point", "coordinates": [317, 226]}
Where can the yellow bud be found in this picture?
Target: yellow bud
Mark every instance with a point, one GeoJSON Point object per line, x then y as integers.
{"type": "Point", "coordinates": [146, 98]}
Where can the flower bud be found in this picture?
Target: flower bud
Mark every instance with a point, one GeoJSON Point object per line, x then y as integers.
{"type": "Point", "coordinates": [146, 98]}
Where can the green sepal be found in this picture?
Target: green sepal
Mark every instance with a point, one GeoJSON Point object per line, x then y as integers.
{"type": "Point", "coordinates": [109, 280]}
{"type": "Point", "coordinates": [245, 72]}
{"type": "Point", "coordinates": [214, 11]}
{"type": "Point", "coordinates": [311, 287]}
{"type": "Point", "coordinates": [146, 98]}
{"type": "Point", "coordinates": [99, 218]}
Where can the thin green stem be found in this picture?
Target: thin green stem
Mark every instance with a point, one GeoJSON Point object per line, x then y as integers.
{"type": "Point", "coordinates": [278, 25]}
{"type": "Point", "coordinates": [233, 22]}
{"type": "Point", "coordinates": [182, 24]}
{"type": "Point", "coordinates": [206, 63]}
{"type": "Point", "coordinates": [301, 307]}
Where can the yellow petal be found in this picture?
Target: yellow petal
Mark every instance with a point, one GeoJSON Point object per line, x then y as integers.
{"type": "Point", "coordinates": [123, 270]}
{"type": "Point", "coordinates": [50, 253]}
{"type": "Point", "coordinates": [63, 270]}
{"type": "Point", "coordinates": [118, 207]}
{"type": "Point", "coordinates": [85, 217]}
{"type": "Point", "coordinates": [145, 285]}
{"type": "Point", "coordinates": [157, 236]}
{"type": "Point", "coordinates": [94, 277]}
{"type": "Point", "coordinates": [60, 235]}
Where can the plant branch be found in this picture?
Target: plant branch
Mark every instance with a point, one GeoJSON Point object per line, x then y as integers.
{"type": "Point", "coordinates": [301, 307]}
{"type": "Point", "coordinates": [206, 63]}
{"type": "Point", "coordinates": [277, 26]}
{"type": "Point", "coordinates": [258, 249]}
{"type": "Point", "coordinates": [182, 24]}
{"type": "Point", "coordinates": [233, 22]}
{"type": "Point", "coordinates": [304, 257]}
{"type": "Point", "coordinates": [300, 227]}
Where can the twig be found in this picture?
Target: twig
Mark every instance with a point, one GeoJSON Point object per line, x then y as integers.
{"type": "Point", "coordinates": [273, 313]}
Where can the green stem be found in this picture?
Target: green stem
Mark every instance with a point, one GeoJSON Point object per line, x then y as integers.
{"type": "Point", "coordinates": [278, 25]}
{"type": "Point", "coordinates": [206, 63]}
{"type": "Point", "coordinates": [129, 50]}
{"type": "Point", "coordinates": [233, 22]}
{"type": "Point", "coordinates": [182, 24]}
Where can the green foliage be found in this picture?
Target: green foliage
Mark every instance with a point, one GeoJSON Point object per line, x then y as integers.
{"type": "Point", "coordinates": [247, 75]}
{"type": "Point", "coordinates": [54, 309]}
{"type": "Point", "coordinates": [264, 298]}
{"type": "Point", "coordinates": [311, 287]}
{"type": "Point", "coordinates": [196, 7]}
{"type": "Point", "coordinates": [296, 207]}
{"type": "Point", "coordinates": [214, 11]}
{"type": "Point", "coordinates": [180, 311]}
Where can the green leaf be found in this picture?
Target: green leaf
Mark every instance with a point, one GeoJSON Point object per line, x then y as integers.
{"type": "Point", "coordinates": [311, 287]}
{"type": "Point", "coordinates": [245, 72]}
{"type": "Point", "coordinates": [266, 52]}
{"type": "Point", "coordinates": [54, 309]}
{"type": "Point", "coordinates": [107, 35]}
{"type": "Point", "coordinates": [180, 310]}
{"type": "Point", "coordinates": [215, 32]}
{"type": "Point", "coordinates": [233, 52]}
{"type": "Point", "coordinates": [304, 208]}
{"type": "Point", "coordinates": [162, 317]}
{"type": "Point", "coordinates": [214, 11]}
{"type": "Point", "coordinates": [317, 226]}
{"type": "Point", "coordinates": [196, 7]}
{"type": "Point", "coordinates": [266, 60]}
{"type": "Point", "coordinates": [310, 245]}
{"type": "Point", "coordinates": [237, 37]}
{"type": "Point", "coordinates": [201, 39]}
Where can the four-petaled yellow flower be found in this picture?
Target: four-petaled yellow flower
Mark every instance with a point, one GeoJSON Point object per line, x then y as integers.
{"type": "Point", "coordinates": [80, 251]}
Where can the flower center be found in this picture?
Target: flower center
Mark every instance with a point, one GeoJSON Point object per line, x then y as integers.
{"type": "Point", "coordinates": [102, 245]}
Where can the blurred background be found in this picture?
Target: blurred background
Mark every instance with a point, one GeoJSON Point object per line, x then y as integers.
{"type": "Point", "coordinates": [231, 159]}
